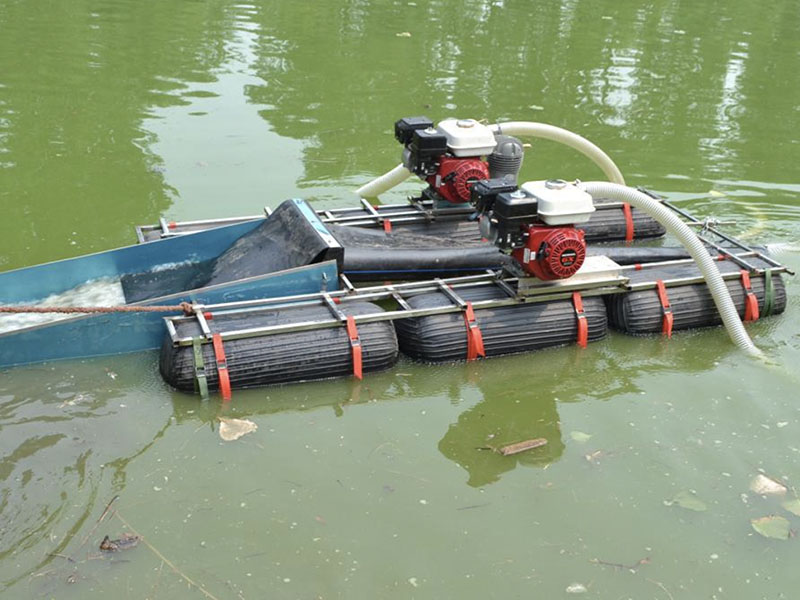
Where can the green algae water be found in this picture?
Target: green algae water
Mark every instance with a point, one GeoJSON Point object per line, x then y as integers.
{"type": "Point", "coordinates": [115, 112]}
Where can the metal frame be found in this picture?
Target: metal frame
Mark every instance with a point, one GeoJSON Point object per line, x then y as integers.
{"type": "Point", "coordinates": [397, 292]}
{"type": "Point", "coordinates": [516, 291]}
{"type": "Point", "coordinates": [363, 215]}
{"type": "Point", "coordinates": [541, 291]}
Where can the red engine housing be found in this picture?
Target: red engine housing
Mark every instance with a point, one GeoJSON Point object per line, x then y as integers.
{"type": "Point", "coordinates": [552, 252]}
{"type": "Point", "coordinates": [455, 176]}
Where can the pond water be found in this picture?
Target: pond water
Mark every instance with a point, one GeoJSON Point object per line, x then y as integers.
{"type": "Point", "coordinates": [113, 113]}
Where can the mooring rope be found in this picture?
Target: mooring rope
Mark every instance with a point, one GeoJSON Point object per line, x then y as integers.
{"type": "Point", "coordinates": [184, 307]}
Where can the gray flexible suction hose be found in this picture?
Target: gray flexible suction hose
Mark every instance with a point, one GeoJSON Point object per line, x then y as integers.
{"type": "Point", "coordinates": [716, 285]}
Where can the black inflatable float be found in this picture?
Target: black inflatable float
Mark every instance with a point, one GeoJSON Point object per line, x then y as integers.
{"type": "Point", "coordinates": [641, 312]}
{"type": "Point", "coordinates": [283, 357]}
{"type": "Point", "coordinates": [505, 330]}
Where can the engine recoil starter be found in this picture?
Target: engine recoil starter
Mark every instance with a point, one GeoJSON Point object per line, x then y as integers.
{"type": "Point", "coordinates": [552, 252]}
{"type": "Point", "coordinates": [455, 176]}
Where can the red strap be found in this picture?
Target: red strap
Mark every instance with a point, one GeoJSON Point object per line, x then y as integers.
{"type": "Point", "coordinates": [172, 225]}
{"type": "Point", "coordinates": [750, 300]}
{"type": "Point", "coordinates": [222, 368]}
{"type": "Point", "coordinates": [583, 324]}
{"type": "Point", "coordinates": [474, 336]}
{"type": "Point", "coordinates": [626, 210]}
{"type": "Point", "coordinates": [355, 344]}
{"type": "Point", "coordinates": [387, 226]}
{"type": "Point", "coordinates": [669, 318]}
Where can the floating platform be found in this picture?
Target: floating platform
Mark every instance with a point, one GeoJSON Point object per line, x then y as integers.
{"type": "Point", "coordinates": [275, 299]}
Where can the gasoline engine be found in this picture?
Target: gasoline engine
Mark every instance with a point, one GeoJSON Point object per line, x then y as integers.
{"type": "Point", "coordinates": [534, 223]}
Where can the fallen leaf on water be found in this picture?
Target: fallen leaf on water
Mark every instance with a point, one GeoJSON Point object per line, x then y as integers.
{"type": "Point", "coordinates": [522, 446]}
{"type": "Point", "coordinates": [233, 429]}
{"type": "Point", "coordinates": [126, 542]}
{"type": "Point", "coordinates": [594, 456]}
{"type": "Point", "coordinates": [766, 486]}
{"type": "Point", "coordinates": [773, 526]}
{"type": "Point", "coordinates": [579, 436]}
{"type": "Point", "coordinates": [793, 506]}
{"type": "Point", "coordinates": [403, 34]}
{"type": "Point", "coordinates": [715, 194]}
{"type": "Point", "coordinates": [576, 588]}
{"type": "Point", "coordinates": [687, 500]}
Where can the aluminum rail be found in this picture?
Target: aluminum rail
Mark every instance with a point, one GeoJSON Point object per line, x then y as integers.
{"type": "Point", "coordinates": [404, 313]}
{"type": "Point", "coordinates": [399, 292]}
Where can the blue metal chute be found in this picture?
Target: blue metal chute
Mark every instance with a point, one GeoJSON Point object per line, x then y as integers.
{"type": "Point", "coordinates": [115, 333]}
{"type": "Point", "coordinates": [30, 284]}
{"type": "Point", "coordinates": [118, 333]}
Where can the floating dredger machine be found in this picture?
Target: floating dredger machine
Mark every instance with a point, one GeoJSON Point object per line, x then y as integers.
{"type": "Point", "coordinates": [477, 265]}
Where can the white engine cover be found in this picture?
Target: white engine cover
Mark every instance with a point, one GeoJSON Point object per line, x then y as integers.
{"type": "Point", "coordinates": [467, 137]}
{"type": "Point", "coordinates": [560, 202]}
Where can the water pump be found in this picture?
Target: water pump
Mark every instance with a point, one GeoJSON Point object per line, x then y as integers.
{"type": "Point", "coordinates": [535, 224]}
{"type": "Point", "coordinates": [455, 154]}
{"type": "Point", "coordinates": [464, 161]}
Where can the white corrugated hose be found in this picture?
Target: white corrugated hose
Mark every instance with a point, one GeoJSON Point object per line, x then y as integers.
{"type": "Point", "coordinates": [674, 225]}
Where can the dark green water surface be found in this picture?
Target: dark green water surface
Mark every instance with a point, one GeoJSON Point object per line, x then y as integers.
{"type": "Point", "coordinates": [115, 112]}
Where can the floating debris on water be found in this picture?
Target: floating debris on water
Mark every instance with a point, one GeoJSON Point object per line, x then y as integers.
{"type": "Point", "coordinates": [233, 429]}
{"type": "Point", "coordinates": [580, 436]}
{"type": "Point", "coordinates": [773, 527]}
{"type": "Point", "coordinates": [522, 446]}
{"type": "Point", "coordinates": [688, 500]}
{"type": "Point", "coordinates": [126, 542]}
{"type": "Point", "coordinates": [766, 486]}
{"type": "Point", "coordinates": [793, 506]}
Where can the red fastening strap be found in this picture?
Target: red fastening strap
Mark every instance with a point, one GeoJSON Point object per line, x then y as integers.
{"type": "Point", "coordinates": [387, 226]}
{"type": "Point", "coordinates": [355, 344]}
{"type": "Point", "coordinates": [750, 300]}
{"type": "Point", "coordinates": [637, 267]}
{"type": "Point", "coordinates": [172, 225]}
{"type": "Point", "coordinates": [721, 257]}
{"type": "Point", "coordinates": [222, 368]}
{"type": "Point", "coordinates": [337, 300]}
{"type": "Point", "coordinates": [208, 316]}
{"type": "Point", "coordinates": [474, 335]}
{"type": "Point", "coordinates": [669, 318]}
{"type": "Point", "coordinates": [626, 210]}
{"type": "Point", "coordinates": [583, 324]}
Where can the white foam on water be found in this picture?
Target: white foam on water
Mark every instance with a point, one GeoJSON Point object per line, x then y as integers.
{"type": "Point", "coordinates": [104, 291]}
{"type": "Point", "coordinates": [780, 248]}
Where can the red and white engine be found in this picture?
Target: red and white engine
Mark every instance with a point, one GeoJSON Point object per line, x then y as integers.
{"type": "Point", "coordinates": [455, 154]}
{"type": "Point", "coordinates": [464, 161]}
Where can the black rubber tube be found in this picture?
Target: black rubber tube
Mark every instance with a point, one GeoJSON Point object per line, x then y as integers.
{"type": "Point", "coordinates": [607, 224]}
{"type": "Point", "coordinates": [283, 357]}
{"type": "Point", "coordinates": [639, 313]}
{"type": "Point", "coordinates": [505, 330]}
